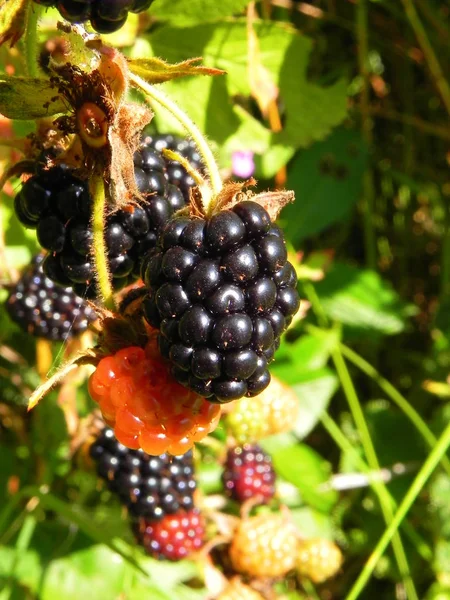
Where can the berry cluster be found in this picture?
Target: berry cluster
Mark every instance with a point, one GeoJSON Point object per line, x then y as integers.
{"type": "Point", "coordinates": [273, 411]}
{"type": "Point", "coordinates": [45, 310]}
{"type": "Point", "coordinates": [249, 474]}
{"type": "Point", "coordinates": [318, 559]}
{"type": "Point", "coordinates": [106, 16]}
{"type": "Point", "coordinates": [264, 546]}
{"type": "Point", "coordinates": [150, 486]}
{"type": "Point", "coordinates": [175, 173]}
{"type": "Point", "coordinates": [146, 407]}
{"type": "Point", "coordinates": [221, 292]}
{"type": "Point", "coordinates": [159, 494]}
{"type": "Point", "coordinates": [174, 537]}
{"type": "Point", "coordinates": [58, 205]}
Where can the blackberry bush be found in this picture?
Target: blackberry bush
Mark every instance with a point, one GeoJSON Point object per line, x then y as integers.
{"type": "Point", "coordinates": [150, 486]}
{"type": "Point", "coordinates": [58, 205]}
{"type": "Point", "coordinates": [248, 473]}
{"type": "Point", "coordinates": [221, 291]}
{"type": "Point", "coordinates": [105, 16]}
{"type": "Point", "coordinates": [45, 310]}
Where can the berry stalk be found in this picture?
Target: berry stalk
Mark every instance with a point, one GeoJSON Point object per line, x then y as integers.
{"type": "Point", "coordinates": [31, 40]}
{"type": "Point", "coordinates": [211, 166]}
{"type": "Point", "coordinates": [105, 291]}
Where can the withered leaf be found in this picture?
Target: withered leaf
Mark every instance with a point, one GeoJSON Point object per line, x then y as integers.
{"type": "Point", "coordinates": [12, 20]}
{"type": "Point", "coordinates": [156, 70]}
{"type": "Point", "coordinates": [29, 98]}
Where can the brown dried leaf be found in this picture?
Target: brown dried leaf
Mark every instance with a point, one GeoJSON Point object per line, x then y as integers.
{"type": "Point", "coordinates": [13, 16]}
{"type": "Point", "coordinates": [156, 70]}
{"type": "Point", "coordinates": [274, 202]}
{"type": "Point", "coordinates": [124, 136]}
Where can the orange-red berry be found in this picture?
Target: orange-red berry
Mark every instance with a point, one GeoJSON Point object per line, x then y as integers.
{"type": "Point", "coordinates": [146, 408]}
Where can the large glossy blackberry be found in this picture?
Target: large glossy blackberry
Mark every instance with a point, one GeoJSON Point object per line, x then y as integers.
{"type": "Point", "coordinates": [150, 486]}
{"type": "Point", "coordinates": [58, 205]}
{"type": "Point", "coordinates": [45, 310]}
{"type": "Point", "coordinates": [175, 173]}
{"type": "Point", "coordinates": [248, 473]}
{"type": "Point", "coordinates": [106, 16]}
{"type": "Point", "coordinates": [221, 292]}
{"type": "Point", "coordinates": [174, 537]}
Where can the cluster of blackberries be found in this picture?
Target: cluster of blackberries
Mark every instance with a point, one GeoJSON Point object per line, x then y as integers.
{"type": "Point", "coordinates": [45, 310]}
{"type": "Point", "coordinates": [159, 494]}
{"type": "Point", "coordinates": [221, 292]}
{"type": "Point", "coordinates": [106, 16]}
{"type": "Point", "coordinates": [248, 473]}
{"type": "Point", "coordinates": [150, 486]}
{"type": "Point", "coordinates": [59, 206]}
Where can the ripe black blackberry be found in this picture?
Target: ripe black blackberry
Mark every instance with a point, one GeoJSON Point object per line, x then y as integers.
{"type": "Point", "coordinates": [150, 486]}
{"type": "Point", "coordinates": [221, 291]}
{"type": "Point", "coordinates": [175, 173]}
{"type": "Point", "coordinates": [58, 205]}
{"type": "Point", "coordinates": [106, 16]}
{"type": "Point", "coordinates": [45, 310]}
{"type": "Point", "coordinates": [248, 473]}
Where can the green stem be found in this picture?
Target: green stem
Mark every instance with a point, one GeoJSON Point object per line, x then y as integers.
{"type": "Point", "coordinates": [436, 71]}
{"type": "Point", "coordinates": [416, 487]}
{"type": "Point", "coordinates": [362, 28]}
{"type": "Point", "coordinates": [23, 541]}
{"type": "Point", "coordinates": [31, 39]}
{"type": "Point", "coordinates": [97, 189]}
{"type": "Point", "coordinates": [396, 397]}
{"type": "Point", "coordinates": [372, 459]}
{"type": "Point", "coordinates": [208, 157]}
{"type": "Point", "coordinates": [346, 447]}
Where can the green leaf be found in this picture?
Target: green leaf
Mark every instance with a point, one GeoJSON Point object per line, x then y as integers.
{"type": "Point", "coordinates": [314, 396]}
{"type": "Point", "coordinates": [156, 70]}
{"type": "Point", "coordinates": [326, 179]}
{"type": "Point", "coordinates": [307, 470]}
{"type": "Point", "coordinates": [307, 353]}
{"type": "Point", "coordinates": [311, 111]}
{"type": "Point", "coordinates": [312, 523]}
{"type": "Point", "coordinates": [186, 12]}
{"type": "Point", "coordinates": [28, 98]}
{"type": "Point", "coordinates": [93, 572]}
{"type": "Point", "coordinates": [360, 298]}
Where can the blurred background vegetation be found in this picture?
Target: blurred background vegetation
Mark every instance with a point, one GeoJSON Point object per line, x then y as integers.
{"type": "Point", "coordinates": [346, 102]}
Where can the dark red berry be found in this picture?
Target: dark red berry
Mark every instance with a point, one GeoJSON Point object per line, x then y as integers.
{"type": "Point", "coordinates": [248, 473]}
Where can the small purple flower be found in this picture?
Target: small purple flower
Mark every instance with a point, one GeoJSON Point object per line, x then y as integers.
{"type": "Point", "coordinates": [243, 164]}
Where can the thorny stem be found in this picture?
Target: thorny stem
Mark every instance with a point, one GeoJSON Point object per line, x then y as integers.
{"type": "Point", "coordinates": [97, 189]}
{"type": "Point", "coordinates": [416, 487]}
{"type": "Point", "coordinates": [159, 96]}
{"type": "Point", "coordinates": [362, 27]}
{"type": "Point", "coordinates": [31, 39]}
{"type": "Point", "coordinates": [436, 71]}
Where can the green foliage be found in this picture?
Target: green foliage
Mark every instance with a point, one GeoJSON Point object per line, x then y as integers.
{"type": "Point", "coordinates": [327, 181]}
{"type": "Point", "coordinates": [361, 299]}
